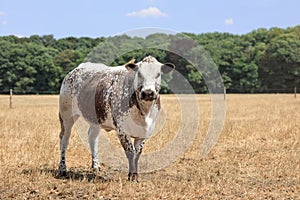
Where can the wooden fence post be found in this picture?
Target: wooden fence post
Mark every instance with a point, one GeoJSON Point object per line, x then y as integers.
{"type": "Point", "coordinates": [10, 98]}
{"type": "Point", "coordinates": [295, 92]}
{"type": "Point", "coordinates": [224, 93]}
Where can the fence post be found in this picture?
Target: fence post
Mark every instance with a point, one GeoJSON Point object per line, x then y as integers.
{"type": "Point", "coordinates": [224, 93]}
{"type": "Point", "coordinates": [10, 98]}
{"type": "Point", "coordinates": [295, 92]}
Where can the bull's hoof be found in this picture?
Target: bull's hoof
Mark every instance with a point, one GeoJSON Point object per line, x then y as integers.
{"type": "Point", "coordinates": [62, 173]}
{"type": "Point", "coordinates": [96, 169]}
{"type": "Point", "coordinates": [62, 170]}
{"type": "Point", "coordinates": [96, 166]}
{"type": "Point", "coordinates": [133, 177]}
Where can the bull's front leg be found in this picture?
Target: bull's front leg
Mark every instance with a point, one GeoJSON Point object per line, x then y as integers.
{"type": "Point", "coordinates": [138, 145]}
{"type": "Point", "coordinates": [133, 153]}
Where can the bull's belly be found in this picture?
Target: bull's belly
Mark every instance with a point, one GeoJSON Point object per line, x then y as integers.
{"type": "Point", "coordinates": [108, 124]}
{"type": "Point", "coordinates": [132, 123]}
{"type": "Point", "coordinates": [131, 128]}
{"type": "Point", "coordinates": [138, 129]}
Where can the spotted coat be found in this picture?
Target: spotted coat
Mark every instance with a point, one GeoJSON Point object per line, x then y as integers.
{"type": "Point", "coordinates": [124, 98]}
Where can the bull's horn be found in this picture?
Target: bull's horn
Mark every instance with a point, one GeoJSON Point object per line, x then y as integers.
{"type": "Point", "coordinates": [131, 61]}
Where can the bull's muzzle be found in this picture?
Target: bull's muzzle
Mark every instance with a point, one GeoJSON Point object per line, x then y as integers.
{"type": "Point", "coordinates": [148, 95]}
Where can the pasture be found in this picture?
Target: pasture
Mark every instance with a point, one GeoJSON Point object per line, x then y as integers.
{"type": "Point", "coordinates": [257, 155]}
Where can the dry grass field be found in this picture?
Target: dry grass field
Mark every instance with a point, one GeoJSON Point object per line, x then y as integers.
{"type": "Point", "coordinates": [257, 155]}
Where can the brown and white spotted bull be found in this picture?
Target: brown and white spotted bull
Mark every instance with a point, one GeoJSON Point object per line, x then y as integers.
{"type": "Point", "coordinates": [124, 98]}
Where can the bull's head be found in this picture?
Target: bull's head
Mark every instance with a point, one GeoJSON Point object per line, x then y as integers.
{"type": "Point", "coordinates": [147, 79]}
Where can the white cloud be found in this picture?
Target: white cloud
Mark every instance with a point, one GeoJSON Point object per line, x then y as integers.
{"type": "Point", "coordinates": [19, 36]}
{"type": "Point", "coordinates": [228, 22]}
{"type": "Point", "coordinates": [149, 12]}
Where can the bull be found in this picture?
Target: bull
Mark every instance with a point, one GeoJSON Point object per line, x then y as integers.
{"type": "Point", "coordinates": [123, 98]}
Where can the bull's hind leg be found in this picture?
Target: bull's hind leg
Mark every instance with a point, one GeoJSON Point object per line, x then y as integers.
{"type": "Point", "coordinates": [93, 132]}
{"type": "Point", "coordinates": [66, 127]}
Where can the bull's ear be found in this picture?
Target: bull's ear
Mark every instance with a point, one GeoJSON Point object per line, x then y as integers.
{"type": "Point", "coordinates": [131, 65]}
{"type": "Point", "coordinates": [167, 67]}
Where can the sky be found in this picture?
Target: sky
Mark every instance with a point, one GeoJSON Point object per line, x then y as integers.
{"type": "Point", "coordinates": [95, 18]}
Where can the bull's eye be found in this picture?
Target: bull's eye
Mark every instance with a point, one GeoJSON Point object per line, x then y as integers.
{"type": "Point", "coordinates": [140, 88]}
{"type": "Point", "coordinates": [158, 74]}
{"type": "Point", "coordinates": [140, 75]}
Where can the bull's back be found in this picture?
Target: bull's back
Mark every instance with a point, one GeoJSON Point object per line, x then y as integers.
{"type": "Point", "coordinates": [74, 82]}
{"type": "Point", "coordinates": [79, 76]}
{"type": "Point", "coordinates": [88, 86]}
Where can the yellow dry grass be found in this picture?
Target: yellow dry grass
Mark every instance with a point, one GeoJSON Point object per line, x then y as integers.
{"type": "Point", "coordinates": [257, 156]}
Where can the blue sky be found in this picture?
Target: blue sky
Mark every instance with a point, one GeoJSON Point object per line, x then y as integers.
{"type": "Point", "coordinates": [95, 18]}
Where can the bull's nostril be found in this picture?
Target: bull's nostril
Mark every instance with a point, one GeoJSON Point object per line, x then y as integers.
{"type": "Point", "coordinates": [143, 95]}
{"type": "Point", "coordinates": [148, 95]}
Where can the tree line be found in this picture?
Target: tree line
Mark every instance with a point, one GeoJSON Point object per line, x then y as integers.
{"type": "Point", "coordinates": [264, 60]}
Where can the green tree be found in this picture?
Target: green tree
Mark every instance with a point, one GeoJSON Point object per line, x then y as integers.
{"type": "Point", "coordinates": [280, 65]}
{"type": "Point", "coordinates": [68, 60]}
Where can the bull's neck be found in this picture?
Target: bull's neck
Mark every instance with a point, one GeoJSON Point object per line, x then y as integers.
{"type": "Point", "coordinates": [145, 107]}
